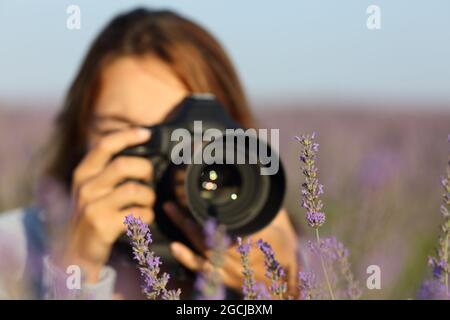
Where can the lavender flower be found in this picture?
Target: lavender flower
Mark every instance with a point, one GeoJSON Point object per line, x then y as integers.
{"type": "Point", "coordinates": [329, 249]}
{"type": "Point", "coordinates": [249, 288]}
{"type": "Point", "coordinates": [437, 266]}
{"type": "Point", "coordinates": [307, 285]}
{"type": "Point", "coordinates": [154, 286]}
{"type": "Point", "coordinates": [209, 283]}
{"type": "Point", "coordinates": [335, 256]}
{"type": "Point", "coordinates": [311, 188]}
{"type": "Point", "coordinates": [352, 291]}
{"type": "Point", "coordinates": [274, 271]}
{"type": "Point", "coordinates": [432, 290]}
{"type": "Point", "coordinates": [263, 293]}
{"type": "Point", "coordinates": [315, 219]}
{"type": "Point", "coordinates": [440, 263]}
{"type": "Point", "coordinates": [209, 286]}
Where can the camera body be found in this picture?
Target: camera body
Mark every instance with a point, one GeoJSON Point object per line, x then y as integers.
{"type": "Point", "coordinates": [232, 191]}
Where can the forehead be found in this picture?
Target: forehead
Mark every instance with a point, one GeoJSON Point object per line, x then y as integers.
{"type": "Point", "coordinates": [141, 90]}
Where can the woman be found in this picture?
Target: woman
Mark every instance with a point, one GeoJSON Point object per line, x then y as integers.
{"type": "Point", "coordinates": [140, 66]}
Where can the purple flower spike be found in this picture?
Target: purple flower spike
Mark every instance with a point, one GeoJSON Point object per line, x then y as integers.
{"type": "Point", "coordinates": [209, 283]}
{"type": "Point", "coordinates": [311, 188]}
{"type": "Point", "coordinates": [154, 286]}
{"type": "Point", "coordinates": [432, 290]}
{"type": "Point", "coordinates": [440, 262]}
{"type": "Point", "coordinates": [332, 254]}
{"type": "Point", "coordinates": [274, 271]}
{"type": "Point", "coordinates": [335, 255]}
{"type": "Point", "coordinates": [249, 288]}
{"type": "Point", "coordinates": [307, 285]}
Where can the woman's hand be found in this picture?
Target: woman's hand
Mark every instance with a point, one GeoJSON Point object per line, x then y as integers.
{"type": "Point", "coordinates": [98, 202]}
{"type": "Point", "coordinates": [279, 234]}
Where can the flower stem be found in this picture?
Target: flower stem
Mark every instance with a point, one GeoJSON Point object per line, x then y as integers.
{"type": "Point", "coordinates": [330, 290]}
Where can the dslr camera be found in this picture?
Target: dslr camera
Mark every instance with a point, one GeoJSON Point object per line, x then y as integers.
{"type": "Point", "coordinates": [210, 166]}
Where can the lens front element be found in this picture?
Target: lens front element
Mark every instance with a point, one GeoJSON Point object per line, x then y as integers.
{"type": "Point", "coordinates": [220, 184]}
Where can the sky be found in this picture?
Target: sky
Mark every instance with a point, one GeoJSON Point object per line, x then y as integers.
{"type": "Point", "coordinates": [283, 50]}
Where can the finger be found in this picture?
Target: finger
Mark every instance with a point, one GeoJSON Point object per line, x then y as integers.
{"type": "Point", "coordinates": [188, 258]}
{"type": "Point", "coordinates": [130, 194]}
{"type": "Point", "coordinates": [126, 167]}
{"type": "Point", "coordinates": [192, 230]}
{"type": "Point", "coordinates": [108, 146]}
{"type": "Point", "coordinates": [195, 263]}
{"type": "Point", "coordinates": [118, 170]}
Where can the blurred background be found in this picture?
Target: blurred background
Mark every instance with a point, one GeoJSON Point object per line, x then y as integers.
{"type": "Point", "coordinates": [378, 99]}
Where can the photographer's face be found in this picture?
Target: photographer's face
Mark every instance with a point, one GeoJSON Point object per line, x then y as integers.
{"type": "Point", "coordinates": [134, 91]}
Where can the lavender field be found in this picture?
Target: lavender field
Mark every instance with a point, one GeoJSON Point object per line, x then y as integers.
{"type": "Point", "coordinates": [380, 171]}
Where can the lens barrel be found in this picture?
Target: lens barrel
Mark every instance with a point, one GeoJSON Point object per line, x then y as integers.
{"type": "Point", "coordinates": [237, 195]}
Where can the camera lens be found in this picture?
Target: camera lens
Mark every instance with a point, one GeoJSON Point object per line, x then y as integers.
{"type": "Point", "coordinates": [220, 184]}
{"type": "Point", "coordinates": [236, 194]}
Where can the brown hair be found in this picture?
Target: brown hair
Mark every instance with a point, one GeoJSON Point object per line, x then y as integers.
{"type": "Point", "coordinates": [193, 53]}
